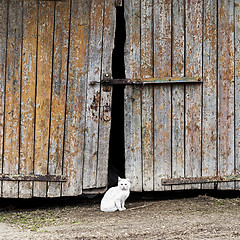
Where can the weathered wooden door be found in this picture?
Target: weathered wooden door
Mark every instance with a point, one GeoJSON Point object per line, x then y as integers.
{"type": "Point", "coordinates": [182, 130]}
{"type": "Point", "coordinates": [54, 122]}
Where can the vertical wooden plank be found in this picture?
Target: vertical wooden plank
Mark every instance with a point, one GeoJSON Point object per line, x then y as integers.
{"type": "Point", "coordinates": [12, 107]}
{"type": "Point", "coordinates": [209, 121]}
{"type": "Point", "coordinates": [162, 94]}
{"type": "Point", "coordinates": [28, 94]}
{"type": "Point", "coordinates": [106, 97]}
{"type": "Point", "coordinates": [93, 95]}
{"type": "Point", "coordinates": [59, 82]}
{"type": "Point", "coordinates": [44, 77]}
{"type": "Point", "coordinates": [147, 93]}
{"type": "Point", "coordinates": [76, 98]}
{"type": "Point", "coordinates": [3, 54]}
{"type": "Point", "coordinates": [237, 87]}
{"type": "Point", "coordinates": [178, 91]}
{"type": "Point", "coordinates": [226, 90]}
{"type": "Point", "coordinates": [132, 96]}
{"type": "Point", "coordinates": [193, 97]}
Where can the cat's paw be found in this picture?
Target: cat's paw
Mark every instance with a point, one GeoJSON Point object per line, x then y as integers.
{"type": "Point", "coordinates": [122, 209]}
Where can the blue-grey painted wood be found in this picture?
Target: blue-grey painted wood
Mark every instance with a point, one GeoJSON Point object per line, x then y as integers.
{"type": "Point", "coordinates": [178, 38]}
{"type": "Point", "coordinates": [226, 90]}
{"type": "Point", "coordinates": [132, 96]}
{"type": "Point", "coordinates": [237, 88]}
{"type": "Point", "coordinates": [209, 120]}
{"type": "Point", "coordinates": [3, 49]}
{"type": "Point", "coordinates": [193, 93]}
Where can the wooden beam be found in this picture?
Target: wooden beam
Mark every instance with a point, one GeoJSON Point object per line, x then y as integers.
{"type": "Point", "coordinates": [191, 180]}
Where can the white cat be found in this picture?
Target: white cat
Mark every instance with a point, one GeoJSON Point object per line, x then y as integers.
{"type": "Point", "coordinates": [115, 197]}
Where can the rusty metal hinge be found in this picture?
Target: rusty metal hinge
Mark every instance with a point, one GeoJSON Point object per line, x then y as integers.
{"type": "Point", "coordinates": [145, 81]}
{"type": "Point", "coordinates": [35, 177]}
{"type": "Point", "coordinates": [193, 180]}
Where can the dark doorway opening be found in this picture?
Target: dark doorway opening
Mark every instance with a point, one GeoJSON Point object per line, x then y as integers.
{"type": "Point", "coordinates": [116, 147]}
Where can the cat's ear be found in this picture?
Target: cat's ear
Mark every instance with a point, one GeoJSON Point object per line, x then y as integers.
{"type": "Point", "coordinates": [128, 180]}
{"type": "Point", "coordinates": [119, 179]}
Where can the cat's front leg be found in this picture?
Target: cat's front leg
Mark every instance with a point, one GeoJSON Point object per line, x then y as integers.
{"type": "Point", "coordinates": [119, 205]}
{"type": "Point", "coordinates": [123, 203]}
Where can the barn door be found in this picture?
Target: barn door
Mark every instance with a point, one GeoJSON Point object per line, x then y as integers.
{"type": "Point", "coordinates": [181, 130]}
{"type": "Point", "coordinates": [55, 122]}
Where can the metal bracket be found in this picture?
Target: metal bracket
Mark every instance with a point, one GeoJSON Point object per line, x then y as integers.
{"type": "Point", "coordinates": [106, 78]}
{"type": "Point", "coordinates": [25, 177]}
{"type": "Point", "coordinates": [193, 180]}
{"type": "Point", "coordinates": [145, 81]}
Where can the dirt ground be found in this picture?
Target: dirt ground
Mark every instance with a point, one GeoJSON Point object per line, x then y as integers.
{"type": "Point", "coordinates": [148, 216]}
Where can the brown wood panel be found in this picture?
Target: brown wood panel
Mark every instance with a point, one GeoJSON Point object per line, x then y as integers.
{"type": "Point", "coordinates": [59, 86]}
{"type": "Point", "coordinates": [44, 78]}
{"type": "Point", "coordinates": [162, 93]}
{"type": "Point", "coordinates": [106, 97]}
{"type": "Point", "coordinates": [237, 87]}
{"type": "Point", "coordinates": [93, 95]}
{"type": "Point", "coordinates": [209, 120]}
{"type": "Point", "coordinates": [76, 98]}
{"type": "Point", "coordinates": [132, 96]}
{"type": "Point", "coordinates": [3, 54]}
{"type": "Point", "coordinates": [178, 91]}
{"type": "Point", "coordinates": [226, 90]}
{"type": "Point", "coordinates": [147, 93]}
{"type": "Point", "coordinates": [12, 106]}
{"type": "Point", "coordinates": [193, 93]}
{"type": "Point", "coordinates": [29, 52]}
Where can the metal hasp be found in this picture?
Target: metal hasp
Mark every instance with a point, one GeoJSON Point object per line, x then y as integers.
{"type": "Point", "coordinates": [145, 81]}
{"type": "Point", "coordinates": [191, 180]}
{"type": "Point", "coordinates": [40, 178]}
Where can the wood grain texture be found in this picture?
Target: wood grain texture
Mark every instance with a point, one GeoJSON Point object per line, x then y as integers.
{"type": "Point", "coordinates": [226, 90]}
{"type": "Point", "coordinates": [76, 98]}
{"type": "Point", "coordinates": [237, 88]}
{"type": "Point", "coordinates": [43, 98]}
{"type": "Point", "coordinates": [3, 54]}
{"type": "Point", "coordinates": [147, 93]}
{"type": "Point", "coordinates": [193, 94]}
{"type": "Point", "coordinates": [178, 91]}
{"type": "Point", "coordinates": [132, 96]}
{"type": "Point", "coordinates": [93, 95]}
{"type": "Point", "coordinates": [29, 52]}
{"type": "Point", "coordinates": [59, 86]}
{"type": "Point", "coordinates": [209, 120]}
{"type": "Point", "coordinates": [12, 105]}
{"type": "Point", "coordinates": [162, 94]}
{"type": "Point", "coordinates": [109, 22]}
